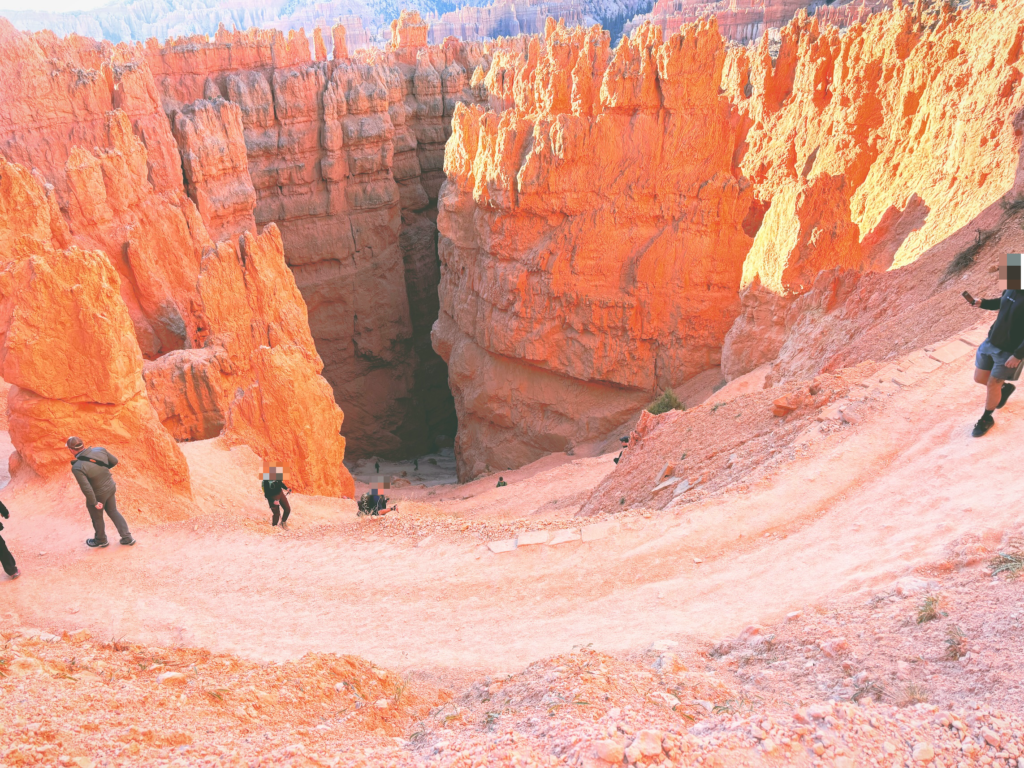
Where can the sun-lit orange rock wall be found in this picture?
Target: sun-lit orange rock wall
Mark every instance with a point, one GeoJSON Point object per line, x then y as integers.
{"type": "Point", "coordinates": [913, 110]}
{"type": "Point", "coordinates": [69, 352]}
{"type": "Point", "coordinates": [591, 238]}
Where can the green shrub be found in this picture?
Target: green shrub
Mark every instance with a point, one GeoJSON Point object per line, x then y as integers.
{"type": "Point", "coordinates": [667, 402]}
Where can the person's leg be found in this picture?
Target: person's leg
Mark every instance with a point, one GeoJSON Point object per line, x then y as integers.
{"type": "Point", "coordinates": [274, 511]}
{"type": "Point", "coordinates": [98, 527]}
{"type": "Point", "coordinates": [285, 505]}
{"type": "Point", "coordinates": [994, 393]}
{"type": "Point", "coordinates": [110, 505]}
{"type": "Point", "coordinates": [6, 559]}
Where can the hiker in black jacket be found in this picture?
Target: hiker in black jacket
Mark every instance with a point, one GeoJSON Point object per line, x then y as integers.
{"type": "Point", "coordinates": [274, 491]}
{"type": "Point", "coordinates": [6, 559]}
{"type": "Point", "coordinates": [1000, 354]}
{"type": "Point", "coordinates": [91, 468]}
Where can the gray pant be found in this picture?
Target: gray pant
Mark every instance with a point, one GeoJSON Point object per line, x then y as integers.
{"type": "Point", "coordinates": [110, 505]}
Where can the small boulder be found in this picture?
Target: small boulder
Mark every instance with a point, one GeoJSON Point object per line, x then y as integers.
{"type": "Point", "coordinates": [648, 742]}
{"type": "Point", "coordinates": [172, 678]}
{"type": "Point", "coordinates": [923, 752]}
{"type": "Point", "coordinates": [609, 750]}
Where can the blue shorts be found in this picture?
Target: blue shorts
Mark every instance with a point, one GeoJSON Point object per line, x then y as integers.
{"type": "Point", "coordinates": [991, 358]}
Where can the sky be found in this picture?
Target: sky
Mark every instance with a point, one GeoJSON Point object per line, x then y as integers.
{"type": "Point", "coordinates": [50, 5]}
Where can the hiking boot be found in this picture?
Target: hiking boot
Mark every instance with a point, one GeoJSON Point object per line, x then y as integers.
{"type": "Point", "coordinates": [16, 574]}
{"type": "Point", "coordinates": [984, 425]}
{"type": "Point", "coordinates": [93, 543]}
{"type": "Point", "coordinates": [1008, 390]}
{"type": "Point", "coordinates": [129, 542]}
{"type": "Point", "coordinates": [284, 525]}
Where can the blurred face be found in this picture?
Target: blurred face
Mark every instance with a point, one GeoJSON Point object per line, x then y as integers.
{"type": "Point", "coordinates": [1009, 272]}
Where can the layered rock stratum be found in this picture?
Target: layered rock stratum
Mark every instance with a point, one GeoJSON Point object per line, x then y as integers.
{"type": "Point", "coordinates": [563, 306]}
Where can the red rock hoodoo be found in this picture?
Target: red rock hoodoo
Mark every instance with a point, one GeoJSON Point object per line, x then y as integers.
{"type": "Point", "coordinates": [68, 349]}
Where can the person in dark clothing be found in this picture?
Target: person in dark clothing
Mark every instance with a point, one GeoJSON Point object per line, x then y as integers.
{"type": "Point", "coordinates": [501, 483]}
{"type": "Point", "coordinates": [625, 444]}
{"type": "Point", "coordinates": [276, 493]}
{"type": "Point", "coordinates": [6, 559]}
{"type": "Point", "coordinates": [999, 356]}
{"type": "Point", "coordinates": [91, 468]}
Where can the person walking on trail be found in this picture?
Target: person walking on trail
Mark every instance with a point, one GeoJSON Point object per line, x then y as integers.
{"type": "Point", "coordinates": [6, 558]}
{"type": "Point", "coordinates": [997, 361]}
{"type": "Point", "coordinates": [276, 493]}
{"type": "Point", "coordinates": [91, 468]}
{"type": "Point", "coordinates": [501, 483]}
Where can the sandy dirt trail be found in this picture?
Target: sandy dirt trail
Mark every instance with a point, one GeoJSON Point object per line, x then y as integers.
{"type": "Point", "coordinates": [868, 504]}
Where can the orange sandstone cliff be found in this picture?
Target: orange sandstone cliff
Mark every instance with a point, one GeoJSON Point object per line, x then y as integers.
{"type": "Point", "coordinates": [87, 117]}
{"type": "Point", "coordinates": [593, 253]}
{"type": "Point", "coordinates": [68, 350]}
{"type": "Point", "coordinates": [867, 149]}
{"type": "Point", "coordinates": [591, 238]}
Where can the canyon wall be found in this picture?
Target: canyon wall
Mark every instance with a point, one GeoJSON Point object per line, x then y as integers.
{"type": "Point", "coordinates": [591, 237]}
{"type": "Point", "coordinates": [867, 149]}
{"type": "Point", "coordinates": [593, 252]}
{"type": "Point", "coordinates": [345, 156]}
{"type": "Point", "coordinates": [86, 117]}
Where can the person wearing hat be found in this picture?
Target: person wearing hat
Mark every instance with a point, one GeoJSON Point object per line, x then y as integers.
{"type": "Point", "coordinates": [91, 468]}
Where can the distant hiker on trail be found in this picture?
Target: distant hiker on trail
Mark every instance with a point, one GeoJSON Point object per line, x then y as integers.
{"type": "Point", "coordinates": [6, 559]}
{"type": "Point", "coordinates": [625, 445]}
{"type": "Point", "coordinates": [376, 466]}
{"type": "Point", "coordinates": [276, 493]}
{"type": "Point", "coordinates": [501, 483]}
{"type": "Point", "coordinates": [416, 465]}
{"type": "Point", "coordinates": [997, 361]}
{"type": "Point", "coordinates": [91, 468]}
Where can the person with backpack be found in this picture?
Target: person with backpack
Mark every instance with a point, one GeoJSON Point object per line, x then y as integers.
{"type": "Point", "coordinates": [91, 468]}
{"type": "Point", "coordinates": [6, 558]}
{"type": "Point", "coordinates": [997, 361]}
{"type": "Point", "coordinates": [276, 493]}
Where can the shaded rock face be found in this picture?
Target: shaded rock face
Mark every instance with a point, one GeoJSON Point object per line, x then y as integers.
{"type": "Point", "coordinates": [866, 150]}
{"type": "Point", "coordinates": [346, 157]}
{"type": "Point", "coordinates": [579, 277]}
{"type": "Point", "coordinates": [117, 215]}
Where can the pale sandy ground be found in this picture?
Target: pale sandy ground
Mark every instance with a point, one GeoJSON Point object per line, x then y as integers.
{"type": "Point", "coordinates": [867, 505]}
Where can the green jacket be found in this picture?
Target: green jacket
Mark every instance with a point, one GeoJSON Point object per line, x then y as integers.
{"type": "Point", "coordinates": [91, 469]}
